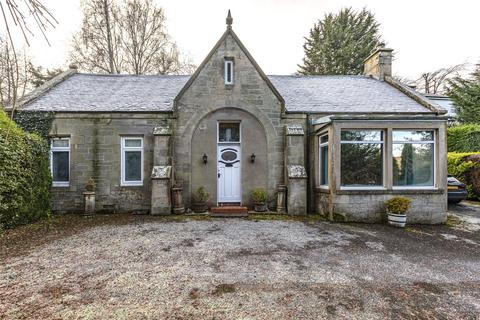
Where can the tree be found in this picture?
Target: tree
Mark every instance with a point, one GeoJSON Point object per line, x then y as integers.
{"type": "Point", "coordinates": [39, 75]}
{"type": "Point", "coordinates": [434, 82]}
{"type": "Point", "coordinates": [13, 69]}
{"type": "Point", "coordinates": [14, 75]}
{"type": "Point", "coordinates": [97, 46]}
{"type": "Point", "coordinates": [129, 37]}
{"type": "Point", "coordinates": [465, 94]}
{"type": "Point", "coordinates": [340, 43]}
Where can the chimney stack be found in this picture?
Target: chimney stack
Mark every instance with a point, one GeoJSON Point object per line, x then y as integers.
{"type": "Point", "coordinates": [379, 63]}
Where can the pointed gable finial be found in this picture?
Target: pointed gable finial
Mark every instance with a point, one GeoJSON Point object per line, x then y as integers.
{"type": "Point", "coordinates": [229, 19]}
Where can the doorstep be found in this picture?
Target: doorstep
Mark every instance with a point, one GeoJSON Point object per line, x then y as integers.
{"type": "Point", "coordinates": [229, 212]}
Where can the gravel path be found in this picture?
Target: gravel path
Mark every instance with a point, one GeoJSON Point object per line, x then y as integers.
{"type": "Point", "coordinates": [245, 269]}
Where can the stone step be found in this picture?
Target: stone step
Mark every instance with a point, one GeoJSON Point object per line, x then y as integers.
{"type": "Point", "coordinates": [229, 211]}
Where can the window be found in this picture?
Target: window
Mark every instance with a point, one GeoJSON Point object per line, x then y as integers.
{"type": "Point", "coordinates": [229, 132]}
{"type": "Point", "coordinates": [361, 158]}
{"type": "Point", "coordinates": [60, 161]}
{"type": "Point", "coordinates": [323, 159]}
{"type": "Point", "coordinates": [132, 161]}
{"type": "Point", "coordinates": [228, 71]}
{"type": "Point", "coordinates": [413, 158]}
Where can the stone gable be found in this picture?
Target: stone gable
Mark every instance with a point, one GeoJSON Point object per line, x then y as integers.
{"type": "Point", "coordinates": [206, 93]}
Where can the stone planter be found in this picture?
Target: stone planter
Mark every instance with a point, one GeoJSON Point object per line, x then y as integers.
{"type": "Point", "coordinates": [397, 220]}
{"type": "Point", "coordinates": [178, 207]}
{"type": "Point", "coordinates": [199, 207]}
{"type": "Point", "coordinates": [89, 203]}
{"type": "Point", "coordinates": [260, 206]}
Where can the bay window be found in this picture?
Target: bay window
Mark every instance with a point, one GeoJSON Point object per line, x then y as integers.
{"type": "Point", "coordinates": [132, 161]}
{"type": "Point", "coordinates": [362, 158]}
{"type": "Point", "coordinates": [413, 158]}
{"type": "Point", "coordinates": [323, 159]}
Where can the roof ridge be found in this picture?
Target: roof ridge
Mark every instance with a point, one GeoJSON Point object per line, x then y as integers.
{"type": "Point", "coordinates": [120, 75]}
{"type": "Point", "coordinates": [320, 75]}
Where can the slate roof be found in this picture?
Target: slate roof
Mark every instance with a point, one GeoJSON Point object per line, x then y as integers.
{"type": "Point", "coordinates": [342, 94]}
{"type": "Point", "coordinates": [95, 92]}
{"type": "Point", "coordinates": [445, 103]}
{"type": "Point", "coordinates": [322, 94]}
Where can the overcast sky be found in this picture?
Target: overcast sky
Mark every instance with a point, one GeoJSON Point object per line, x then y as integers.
{"type": "Point", "coordinates": [425, 34]}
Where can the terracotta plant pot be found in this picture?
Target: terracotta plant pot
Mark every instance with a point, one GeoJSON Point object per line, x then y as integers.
{"type": "Point", "coordinates": [260, 206]}
{"type": "Point", "coordinates": [397, 220]}
{"type": "Point", "coordinates": [199, 207]}
{"type": "Point", "coordinates": [89, 203]}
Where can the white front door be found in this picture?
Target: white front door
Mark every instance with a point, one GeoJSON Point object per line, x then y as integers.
{"type": "Point", "coordinates": [228, 174]}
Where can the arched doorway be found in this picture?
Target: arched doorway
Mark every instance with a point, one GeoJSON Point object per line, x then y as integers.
{"type": "Point", "coordinates": [233, 143]}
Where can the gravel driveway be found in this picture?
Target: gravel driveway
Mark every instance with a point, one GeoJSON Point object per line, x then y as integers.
{"type": "Point", "coordinates": [156, 268]}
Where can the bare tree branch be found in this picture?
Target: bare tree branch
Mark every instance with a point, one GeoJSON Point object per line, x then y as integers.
{"type": "Point", "coordinates": [434, 82]}
{"type": "Point", "coordinates": [129, 37]}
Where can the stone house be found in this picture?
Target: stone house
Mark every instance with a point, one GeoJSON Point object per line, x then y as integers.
{"type": "Point", "coordinates": [334, 145]}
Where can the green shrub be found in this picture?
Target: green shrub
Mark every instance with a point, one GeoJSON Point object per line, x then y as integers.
{"type": "Point", "coordinates": [200, 195]}
{"type": "Point", "coordinates": [465, 138]}
{"type": "Point", "coordinates": [398, 205]}
{"type": "Point", "coordinates": [466, 167]}
{"type": "Point", "coordinates": [24, 175]}
{"type": "Point", "coordinates": [259, 195]}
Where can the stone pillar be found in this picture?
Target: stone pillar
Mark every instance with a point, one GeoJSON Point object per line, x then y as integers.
{"type": "Point", "coordinates": [161, 172]}
{"type": "Point", "coordinates": [161, 198]}
{"type": "Point", "coordinates": [296, 175]}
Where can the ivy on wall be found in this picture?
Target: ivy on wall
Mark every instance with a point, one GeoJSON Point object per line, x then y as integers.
{"type": "Point", "coordinates": [39, 122]}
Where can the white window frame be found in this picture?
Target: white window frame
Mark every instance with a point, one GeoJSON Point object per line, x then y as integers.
{"type": "Point", "coordinates": [229, 122]}
{"type": "Point", "coordinates": [433, 142]}
{"type": "Point", "coordinates": [59, 149]}
{"type": "Point", "coordinates": [123, 150]}
{"type": "Point", "coordinates": [228, 62]}
{"type": "Point", "coordinates": [320, 157]}
{"type": "Point", "coordinates": [381, 142]}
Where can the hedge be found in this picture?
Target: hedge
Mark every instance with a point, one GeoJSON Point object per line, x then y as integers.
{"type": "Point", "coordinates": [464, 138]}
{"type": "Point", "coordinates": [466, 168]}
{"type": "Point", "coordinates": [24, 175]}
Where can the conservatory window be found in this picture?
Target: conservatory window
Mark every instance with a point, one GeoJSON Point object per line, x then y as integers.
{"type": "Point", "coordinates": [362, 158]}
{"type": "Point", "coordinates": [323, 156]}
{"type": "Point", "coordinates": [413, 158]}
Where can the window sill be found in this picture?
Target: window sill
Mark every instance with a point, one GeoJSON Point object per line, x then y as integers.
{"type": "Point", "coordinates": [362, 188]}
{"type": "Point", "coordinates": [131, 184]}
{"type": "Point", "coordinates": [415, 188]}
{"type": "Point", "coordinates": [390, 191]}
{"type": "Point", "coordinates": [322, 189]}
{"type": "Point", "coordinates": [60, 184]}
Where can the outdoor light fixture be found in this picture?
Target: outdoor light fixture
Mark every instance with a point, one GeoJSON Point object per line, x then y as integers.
{"type": "Point", "coordinates": [205, 158]}
{"type": "Point", "coordinates": [252, 158]}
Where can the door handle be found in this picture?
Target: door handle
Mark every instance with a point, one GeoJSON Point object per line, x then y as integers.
{"type": "Point", "coordinates": [218, 174]}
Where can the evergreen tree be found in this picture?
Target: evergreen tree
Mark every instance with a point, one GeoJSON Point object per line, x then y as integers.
{"type": "Point", "coordinates": [39, 75]}
{"type": "Point", "coordinates": [340, 43]}
{"type": "Point", "coordinates": [465, 94]}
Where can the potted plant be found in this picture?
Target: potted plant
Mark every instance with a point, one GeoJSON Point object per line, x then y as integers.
{"type": "Point", "coordinates": [397, 208]}
{"type": "Point", "coordinates": [259, 198]}
{"type": "Point", "coordinates": [200, 198]}
{"type": "Point", "coordinates": [89, 197]}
